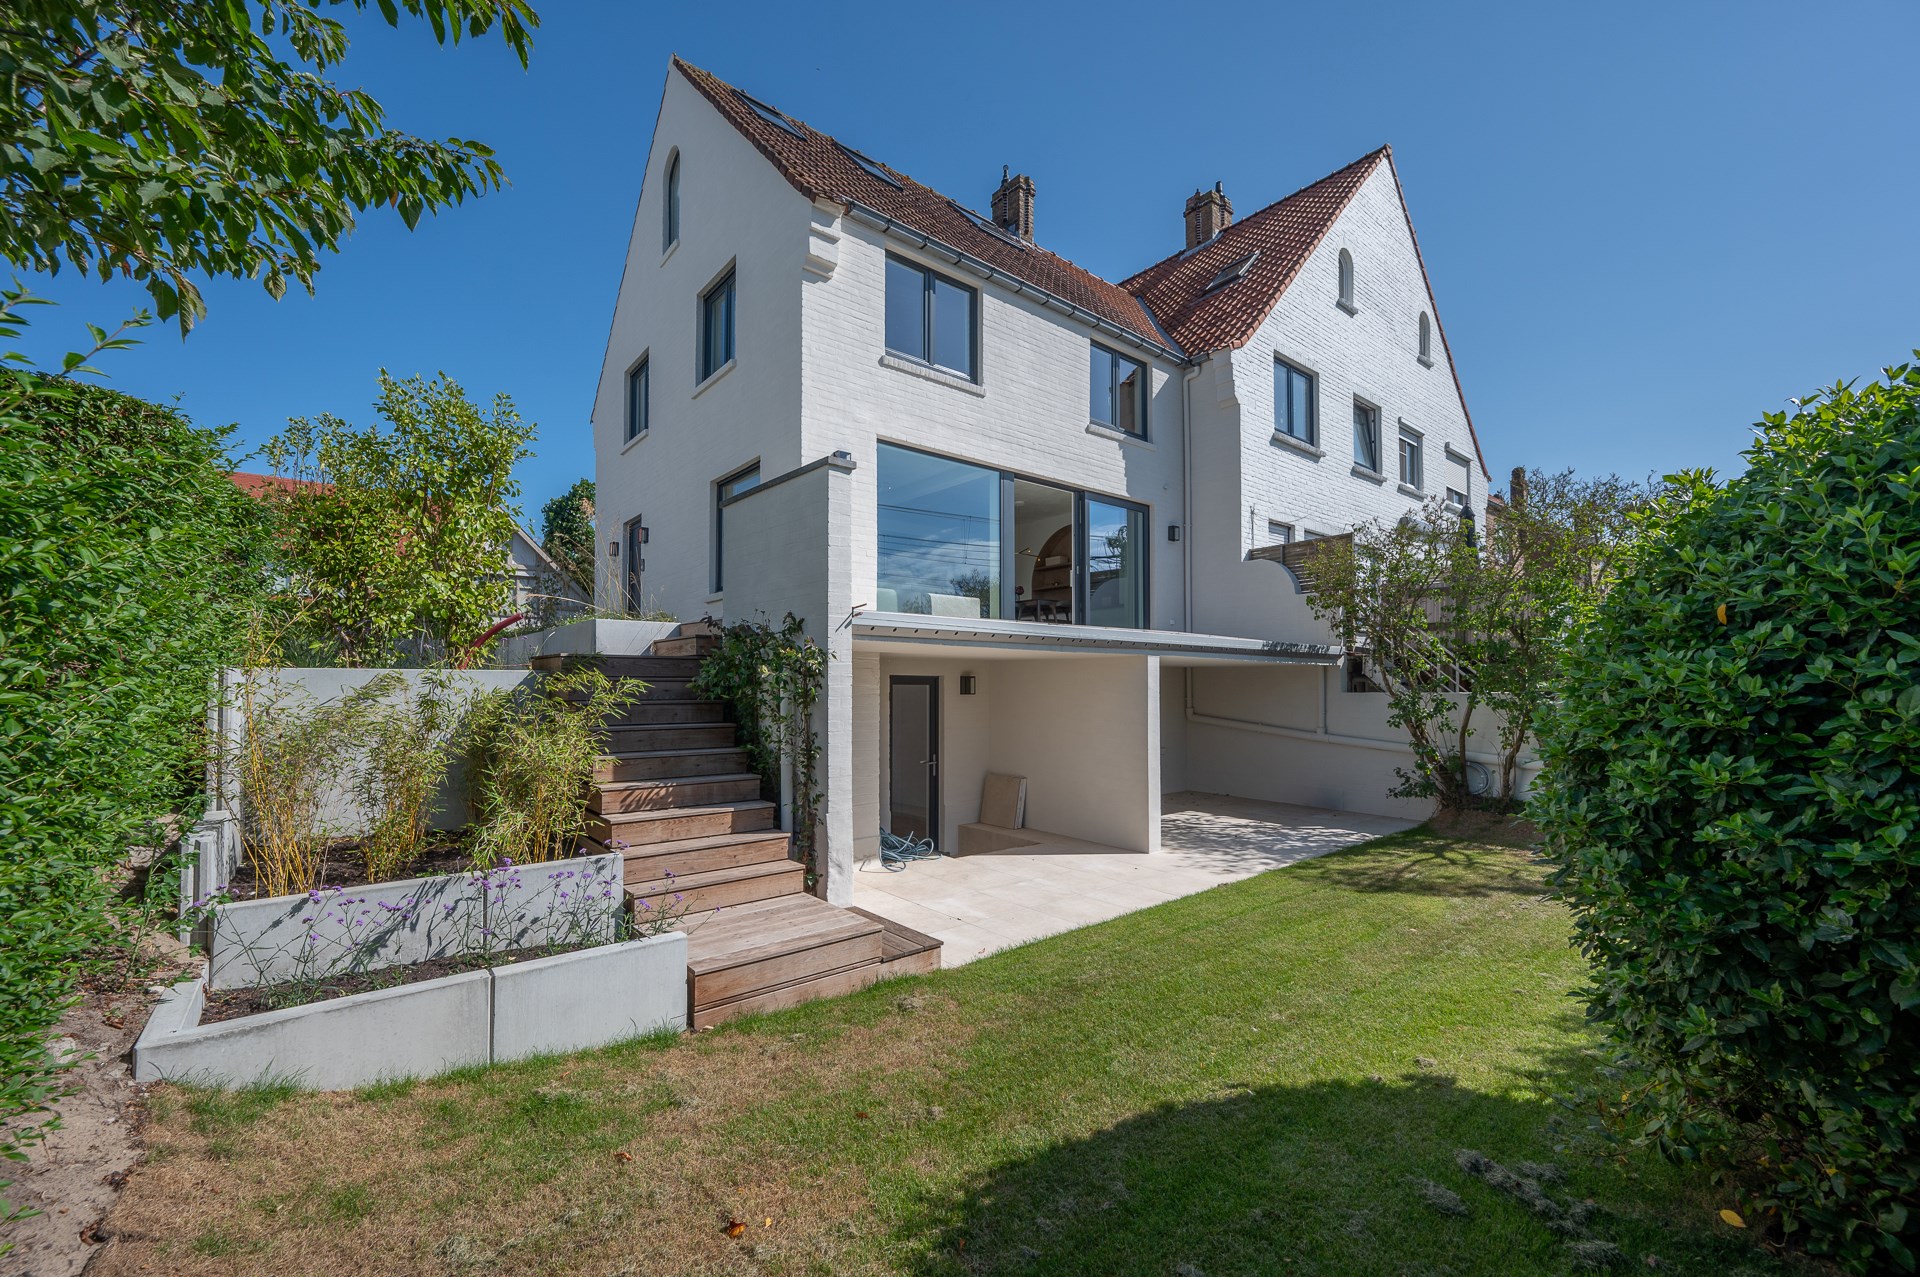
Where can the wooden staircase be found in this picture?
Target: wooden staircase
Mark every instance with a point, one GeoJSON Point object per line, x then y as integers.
{"type": "Point", "coordinates": [678, 797]}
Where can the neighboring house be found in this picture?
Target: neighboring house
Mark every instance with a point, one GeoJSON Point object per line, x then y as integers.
{"type": "Point", "coordinates": [543, 592]}
{"type": "Point", "coordinates": [1034, 516]}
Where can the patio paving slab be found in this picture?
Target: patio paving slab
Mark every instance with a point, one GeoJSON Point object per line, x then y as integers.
{"type": "Point", "coordinates": [978, 904]}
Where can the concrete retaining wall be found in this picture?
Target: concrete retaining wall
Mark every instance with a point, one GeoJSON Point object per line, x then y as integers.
{"type": "Point", "coordinates": [567, 1003]}
{"type": "Point", "coordinates": [387, 924]}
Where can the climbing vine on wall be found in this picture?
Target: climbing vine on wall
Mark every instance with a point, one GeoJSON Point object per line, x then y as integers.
{"type": "Point", "coordinates": [771, 677]}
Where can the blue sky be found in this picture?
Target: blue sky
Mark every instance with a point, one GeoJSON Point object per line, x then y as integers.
{"type": "Point", "coordinates": [1646, 224]}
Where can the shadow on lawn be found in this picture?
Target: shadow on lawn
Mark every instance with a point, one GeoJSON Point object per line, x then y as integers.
{"type": "Point", "coordinates": [1331, 1179]}
{"type": "Point", "coordinates": [1432, 865]}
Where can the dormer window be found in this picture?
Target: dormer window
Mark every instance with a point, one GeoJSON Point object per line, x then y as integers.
{"type": "Point", "coordinates": [670, 213]}
{"type": "Point", "coordinates": [1346, 282]}
{"type": "Point", "coordinates": [1426, 340]}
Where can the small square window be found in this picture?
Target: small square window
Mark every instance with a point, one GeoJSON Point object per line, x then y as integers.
{"type": "Point", "coordinates": [639, 384]}
{"type": "Point", "coordinates": [716, 327]}
{"type": "Point", "coordinates": [1279, 533]}
{"type": "Point", "coordinates": [1412, 470]}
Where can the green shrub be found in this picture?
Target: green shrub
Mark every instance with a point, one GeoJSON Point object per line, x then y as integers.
{"type": "Point", "coordinates": [1732, 798]}
{"type": "Point", "coordinates": [530, 759]}
{"type": "Point", "coordinates": [127, 559]}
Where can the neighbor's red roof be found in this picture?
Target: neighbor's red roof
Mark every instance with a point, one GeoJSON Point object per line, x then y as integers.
{"type": "Point", "coordinates": [259, 485]}
{"type": "Point", "coordinates": [818, 168]}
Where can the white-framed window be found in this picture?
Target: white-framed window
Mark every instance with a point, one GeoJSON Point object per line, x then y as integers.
{"type": "Point", "coordinates": [1366, 436]}
{"type": "Point", "coordinates": [716, 327]}
{"type": "Point", "coordinates": [1117, 391]}
{"type": "Point", "coordinates": [1279, 533]}
{"type": "Point", "coordinates": [639, 388]}
{"type": "Point", "coordinates": [1412, 464]}
{"type": "Point", "coordinates": [670, 206]}
{"type": "Point", "coordinates": [1426, 339]}
{"type": "Point", "coordinates": [1346, 280]}
{"type": "Point", "coordinates": [1294, 411]}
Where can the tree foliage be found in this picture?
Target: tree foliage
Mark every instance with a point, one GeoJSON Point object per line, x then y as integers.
{"type": "Point", "coordinates": [1732, 799]}
{"type": "Point", "coordinates": [160, 140]}
{"type": "Point", "coordinates": [128, 565]}
{"type": "Point", "coordinates": [395, 540]}
{"type": "Point", "coordinates": [566, 532]}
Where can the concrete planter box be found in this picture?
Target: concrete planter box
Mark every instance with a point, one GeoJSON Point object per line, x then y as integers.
{"type": "Point", "coordinates": [572, 1002]}
{"type": "Point", "coordinates": [386, 924]}
{"type": "Point", "coordinates": [416, 1030]}
{"type": "Point", "coordinates": [590, 998]}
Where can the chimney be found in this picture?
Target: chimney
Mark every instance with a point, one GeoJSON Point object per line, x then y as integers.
{"type": "Point", "coordinates": [1013, 204]}
{"type": "Point", "coordinates": [1517, 492]}
{"type": "Point", "coordinates": [1208, 213]}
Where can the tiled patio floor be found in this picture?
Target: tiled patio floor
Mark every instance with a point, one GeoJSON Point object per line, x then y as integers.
{"type": "Point", "coordinates": [977, 904]}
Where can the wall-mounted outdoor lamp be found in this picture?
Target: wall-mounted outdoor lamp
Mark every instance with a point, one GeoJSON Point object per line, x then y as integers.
{"type": "Point", "coordinates": [966, 685]}
{"type": "Point", "coordinates": [1173, 532]}
{"type": "Point", "coordinates": [613, 549]}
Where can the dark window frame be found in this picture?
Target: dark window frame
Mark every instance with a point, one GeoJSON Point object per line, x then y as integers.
{"type": "Point", "coordinates": [1414, 445]}
{"type": "Point", "coordinates": [1143, 397]}
{"type": "Point", "coordinates": [670, 214]}
{"type": "Point", "coordinates": [929, 339]}
{"type": "Point", "coordinates": [640, 405]}
{"type": "Point", "coordinates": [721, 499]}
{"type": "Point", "coordinates": [708, 365]}
{"type": "Point", "coordinates": [1283, 403]}
{"type": "Point", "coordinates": [1371, 413]}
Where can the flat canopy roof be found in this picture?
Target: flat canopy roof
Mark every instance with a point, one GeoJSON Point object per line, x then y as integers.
{"type": "Point", "coordinates": [1035, 638]}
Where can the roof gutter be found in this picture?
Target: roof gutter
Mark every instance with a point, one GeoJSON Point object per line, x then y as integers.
{"type": "Point", "coordinates": [919, 239]}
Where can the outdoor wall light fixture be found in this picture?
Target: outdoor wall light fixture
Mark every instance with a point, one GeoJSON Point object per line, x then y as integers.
{"type": "Point", "coordinates": [966, 685]}
{"type": "Point", "coordinates": [613, 549]}
{"type": "Point", "coordinates": [1173, 532]}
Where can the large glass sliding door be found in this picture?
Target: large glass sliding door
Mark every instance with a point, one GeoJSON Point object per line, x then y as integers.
{"type": "Point", "coordinates": [939, 530]}
{"type": "Point", "coordinates": [962, 540]}
{"type": "Point", "coordinates": [1115, 550]}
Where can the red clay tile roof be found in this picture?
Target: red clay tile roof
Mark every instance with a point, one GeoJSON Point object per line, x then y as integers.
{"type": "Point", "coordinates": [819, 167]}
{"type": "Point", "coordinates": [1283, 234]}
{"type": "Point", "coordinates": [259, 485]}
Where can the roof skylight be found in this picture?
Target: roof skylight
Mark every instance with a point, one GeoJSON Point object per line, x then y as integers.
{"type": "Point", "coordinates": [986, 224]}
{"type": "Point", "coordinates": [871, 167]}
{"type": "Point", "coordinates": [767, 113]}
{"type": "Point", "coordinates": [1233, 271]}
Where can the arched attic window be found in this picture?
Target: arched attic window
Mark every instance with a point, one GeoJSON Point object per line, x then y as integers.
{"type": "Point", "coordinates": [670, 212]}
{"type": "Point", "coordinates": [1346, 281]}
{"type": "Point", "coordinates": [1426, 339]}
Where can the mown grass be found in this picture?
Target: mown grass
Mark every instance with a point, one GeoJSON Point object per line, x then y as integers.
{"type": "Point", "coordinates": [1276, 1076]}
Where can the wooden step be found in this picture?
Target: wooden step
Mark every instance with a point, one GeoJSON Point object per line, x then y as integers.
{"type": "Point", "coordinates": [778, 953]}
{"type": "Point", "coordinates": [663, 792]}
{"type": "Point", "coordinates": [642, 828]}
{"type": "Point", "coordinates": [616, 667]}
{"type": "Point", "coordinates": [904, 950]}
{"type": "Point", "coordinates": [650, 737]}
{"type": "Point", "coordinates": [648, 862]}
{"type": "Point", "coordinates": [664, 714]}
{"type": "Point", "coordinates": [652, 764]}
{"type": "Point", "coordinates": [723, 888]}
{"type": "Point", "coordinates": [685, 645]}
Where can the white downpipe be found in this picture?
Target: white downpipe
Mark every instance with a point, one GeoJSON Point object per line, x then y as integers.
{"type": "Point", "coordinates": [1186, 500]}
{"type": "Point", "coordinates": [1326, 737]}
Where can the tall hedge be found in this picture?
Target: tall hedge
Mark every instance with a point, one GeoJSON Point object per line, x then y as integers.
{"type": "Point", "coordinates": [1732, 797]}
{"type": "Point", "coordinates": [127, 560]}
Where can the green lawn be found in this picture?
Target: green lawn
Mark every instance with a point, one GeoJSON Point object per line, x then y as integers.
{"type": "Point", "coordinates": [1266, 1078]}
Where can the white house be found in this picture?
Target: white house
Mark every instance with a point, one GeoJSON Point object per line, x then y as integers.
{"type": "Point", "coordinates": [1032, 514]}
